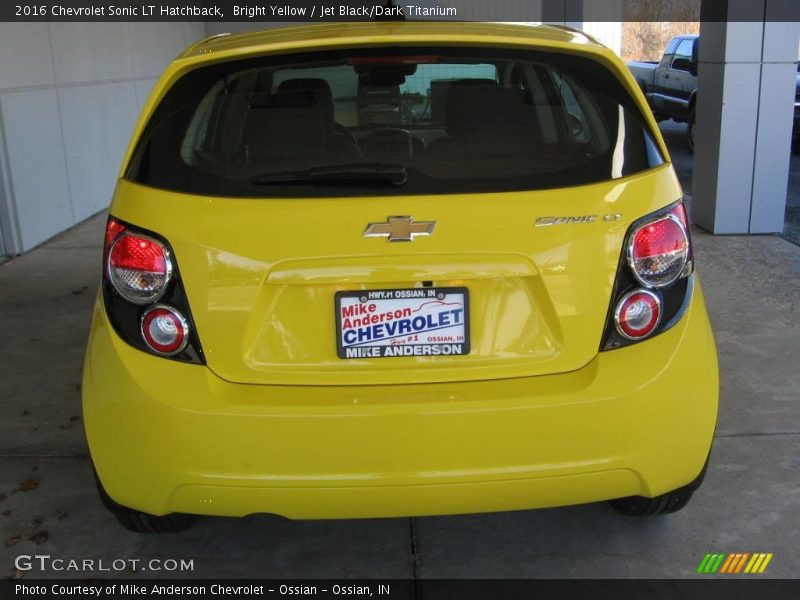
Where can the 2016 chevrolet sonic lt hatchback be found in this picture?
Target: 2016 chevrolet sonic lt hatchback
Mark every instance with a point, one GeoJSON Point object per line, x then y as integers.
{"type": "Point", "coordinates": [397, 269]}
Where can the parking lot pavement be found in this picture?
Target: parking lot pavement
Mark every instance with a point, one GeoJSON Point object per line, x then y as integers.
{"type": "Point", "coordinates": [748, 503]}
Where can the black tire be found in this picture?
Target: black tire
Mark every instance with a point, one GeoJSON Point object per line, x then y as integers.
{"type": "Point", "coordinates": [796, 144]}
{"type": "Point", "coordinates": [690, 131]}
{"type": "Point", "coordinates": [140, 522]}
{"type": "Point", "coordinates": [639, 506]}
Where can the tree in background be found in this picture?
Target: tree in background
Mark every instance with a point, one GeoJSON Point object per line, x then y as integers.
{"type": "Point", "coordinates": [650, 24]}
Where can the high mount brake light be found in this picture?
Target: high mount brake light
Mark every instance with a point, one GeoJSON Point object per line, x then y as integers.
{"type": "Point", "coordinates": [394, 60]}
{"type": "Point", "coordinates": [139, 268]}
{"type": "Point", "coordinates": [659, 251]}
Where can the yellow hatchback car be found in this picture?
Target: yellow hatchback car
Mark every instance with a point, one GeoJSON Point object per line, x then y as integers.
{"type": "Point", "coordinates": [395, 269]}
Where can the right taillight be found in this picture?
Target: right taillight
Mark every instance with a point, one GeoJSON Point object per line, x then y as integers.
{"type": "Point", "coordinates": [658, 251]}
{"type": "Point", "coordinates": [653, 281]}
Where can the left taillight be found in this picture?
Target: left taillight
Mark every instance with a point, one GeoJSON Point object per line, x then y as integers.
{"type": "Point", "coordinates": [139, 268]}
{"type": "Point", "coordinates": [143, 293]}
{"type": "Point", "coordinates": [654, 282]}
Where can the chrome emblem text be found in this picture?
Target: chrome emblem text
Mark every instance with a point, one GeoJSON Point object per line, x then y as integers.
{"type": "Point", "coordinates": [575, 220]}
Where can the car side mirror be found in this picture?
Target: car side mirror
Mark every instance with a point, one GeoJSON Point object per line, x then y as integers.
{"type": "Point", "coordinates": [682, 64]}
{"type": "Point", "coordinates": [576, 125]}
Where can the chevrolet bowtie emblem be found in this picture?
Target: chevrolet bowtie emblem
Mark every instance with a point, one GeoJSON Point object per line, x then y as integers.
{"type": "Point", "coordinates": [400, 229]}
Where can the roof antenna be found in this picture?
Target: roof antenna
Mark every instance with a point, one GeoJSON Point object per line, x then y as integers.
{"type": "Point", "coordinates": [390, 12]}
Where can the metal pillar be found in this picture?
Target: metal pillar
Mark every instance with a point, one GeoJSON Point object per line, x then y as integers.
{"type": "Point", "coordinates": [745, 104]}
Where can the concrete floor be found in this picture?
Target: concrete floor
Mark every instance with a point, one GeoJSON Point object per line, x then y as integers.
{"type": "Point", "coordinates": [748, 503]}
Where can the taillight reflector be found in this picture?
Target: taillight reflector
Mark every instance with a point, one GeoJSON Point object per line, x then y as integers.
{"type": "Point", "coordinates": [637, 314]}
{"type": "Point", "coordinates": [165, 330]}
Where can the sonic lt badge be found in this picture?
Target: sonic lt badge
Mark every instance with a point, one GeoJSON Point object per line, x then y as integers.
{"type": "Point", "coordinates": [576, 220]}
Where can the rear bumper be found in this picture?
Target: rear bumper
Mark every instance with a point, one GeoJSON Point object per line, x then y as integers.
{"type": "Point", "coordinates": [168, 437]}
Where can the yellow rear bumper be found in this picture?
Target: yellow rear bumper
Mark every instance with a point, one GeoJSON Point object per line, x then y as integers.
{"type": "Point", "coordinates": [170, 437]}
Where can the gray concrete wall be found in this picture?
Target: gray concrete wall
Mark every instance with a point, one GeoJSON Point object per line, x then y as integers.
{"type": "Point", "coordinates": [69, 96]}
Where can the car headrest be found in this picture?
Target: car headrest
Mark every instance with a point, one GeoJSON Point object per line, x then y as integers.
{"type": "Point", "coordinates": [495, 115]}
{"type": "Point", "coordinates": [288, 125]}
{"type": "Point", "coordinates": [457, 114]}
{"type": "Point", "coordinates": [320, 90]}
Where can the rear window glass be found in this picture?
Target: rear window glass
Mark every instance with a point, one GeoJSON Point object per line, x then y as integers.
{"type": "Point", "coordinates": [393, 120]}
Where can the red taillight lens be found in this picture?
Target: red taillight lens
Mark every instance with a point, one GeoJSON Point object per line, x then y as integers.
{"type": "Point", "coordinates": [139, 268]}
{"type": "Point", "coordinates": [113, 230]}
{"type": "Point", "coordinates": [165, 330]}
{"type": "Point", "coordinates": [659, 251]}
{"type": "Point", "coordinates": [637, 314]}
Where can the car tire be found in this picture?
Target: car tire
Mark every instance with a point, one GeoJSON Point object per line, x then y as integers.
{"type": "Point", "coordinates": [690, 130]}
{"type": "Point", "coordinates": [796, 145]}
{"type": "Point", "coordinates": [140, 522]}
{"type": "Point", "coordinates": [640, 506]}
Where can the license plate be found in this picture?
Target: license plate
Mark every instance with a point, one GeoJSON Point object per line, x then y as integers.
{"type": "Point", "coordinates": [407, 322]}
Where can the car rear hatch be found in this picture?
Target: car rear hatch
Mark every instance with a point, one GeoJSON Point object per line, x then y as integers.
{"type": "Point", "coordinates": [276, 185]}
{"type": "Point", "coordinates": [261, 276]}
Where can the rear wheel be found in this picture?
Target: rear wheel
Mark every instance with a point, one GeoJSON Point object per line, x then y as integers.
{"type": "Point", "coordinates": [639, 506]}
{"type": "Point", "coordinates": [690, 130]}
{"type": "Point", "coordinates": [140, 522]}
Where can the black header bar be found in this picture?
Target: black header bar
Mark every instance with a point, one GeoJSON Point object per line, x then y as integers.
{"type": "Point", "coordinates": [318, 11]}
{"type": "Point", "coordinates": [707, 587]}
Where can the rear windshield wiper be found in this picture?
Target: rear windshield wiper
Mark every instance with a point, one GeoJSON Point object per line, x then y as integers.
{"type": "Point", "coordinates": [367, 173]}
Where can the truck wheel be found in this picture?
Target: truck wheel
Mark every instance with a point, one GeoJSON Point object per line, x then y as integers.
{"type": "Point", "coordinates": [639, 506]}
{"type": "Point", "coordinates": [140, 522]}
{"type": "Point", "coordinates": [690, 130]}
